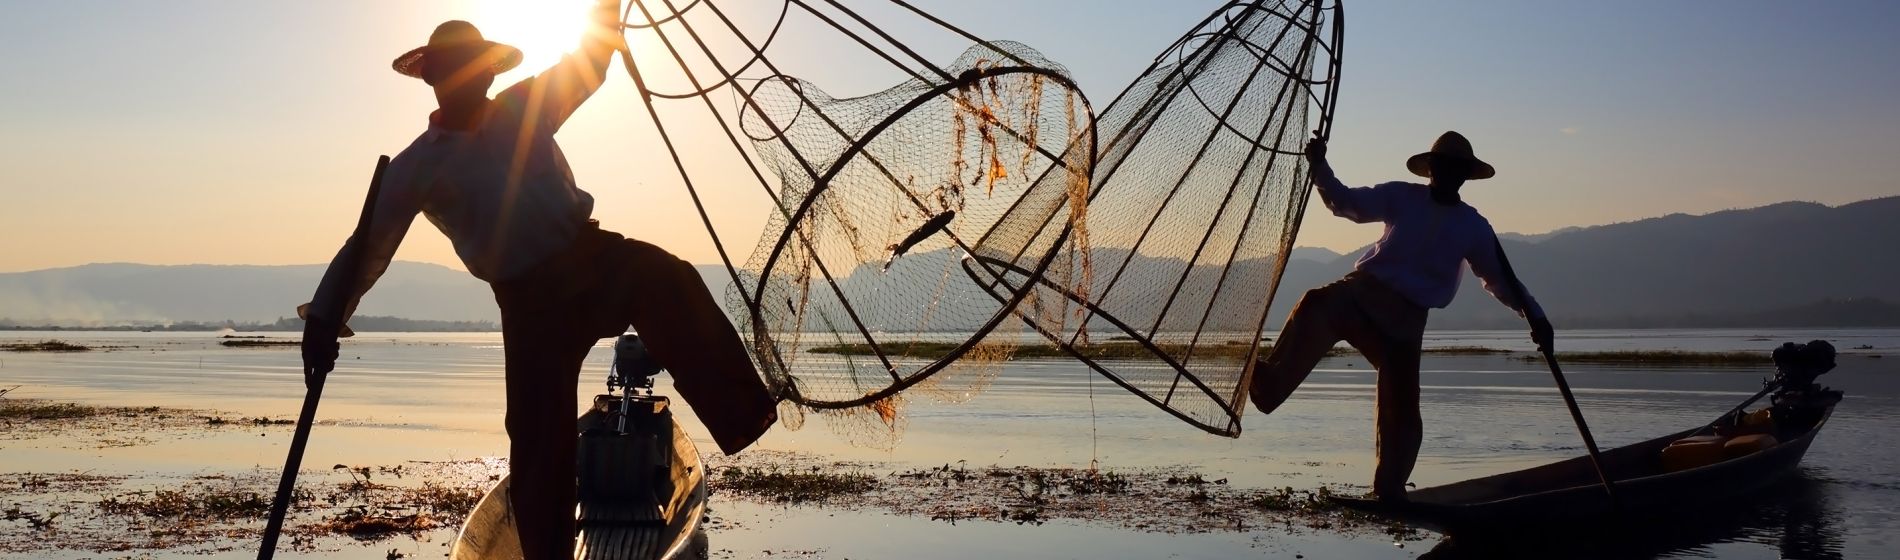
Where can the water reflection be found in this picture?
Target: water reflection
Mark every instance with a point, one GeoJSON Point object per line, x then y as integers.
{"type": "Point", "coordinates": [1795, 517]}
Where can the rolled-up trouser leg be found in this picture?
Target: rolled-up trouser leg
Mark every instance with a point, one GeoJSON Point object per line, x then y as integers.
{"type": "Point", "coordinates": [666, 301]}
{"type": "Point", "coordinates": [544, 352]}
{"type": "Point", "coordinates": [1310, 332]}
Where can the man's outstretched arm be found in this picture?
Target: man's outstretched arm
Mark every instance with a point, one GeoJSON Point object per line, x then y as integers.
{"type": "Point", "coordinates": [395, 209]}
{"type": "Point", "coordinates": [1361, 205]}
{"type": "Point", "coordinates": [556, 93]}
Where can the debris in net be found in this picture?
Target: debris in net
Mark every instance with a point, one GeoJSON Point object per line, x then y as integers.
{"type": "Point", "coordinates": [929, 228]}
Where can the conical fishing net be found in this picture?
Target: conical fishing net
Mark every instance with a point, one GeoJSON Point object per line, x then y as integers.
{"type": "Point", "coordinates": [861, 285]}
{"type": "Point", "coordinates": [919, 234]}
{"type": "Point", "coordinates": [1196, 197]}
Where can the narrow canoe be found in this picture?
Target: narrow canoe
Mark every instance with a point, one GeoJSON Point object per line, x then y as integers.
{"type": "Point", "coordinates": [610, 528]}
{"type": "Point", "coordinates": [1568, 494]}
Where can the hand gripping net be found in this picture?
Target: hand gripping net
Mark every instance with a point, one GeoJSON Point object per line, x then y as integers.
{"type": "Point", "coordinates": [915, 230]}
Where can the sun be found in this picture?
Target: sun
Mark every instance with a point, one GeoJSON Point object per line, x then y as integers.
{"type": "Point", "coordinates": [543, 29]}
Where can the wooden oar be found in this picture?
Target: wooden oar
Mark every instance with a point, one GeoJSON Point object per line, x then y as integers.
{"type": "Point", "coordinates": [1563, 386]}
{"type": "Point", "coordinates": [313, 380]}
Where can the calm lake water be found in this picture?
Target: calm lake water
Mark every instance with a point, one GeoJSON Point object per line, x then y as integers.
{"type": "Point", "coordinates": [398, 397]}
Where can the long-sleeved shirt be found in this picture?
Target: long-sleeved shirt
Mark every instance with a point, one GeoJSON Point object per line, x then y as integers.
{"type": "Point", "coordinates": [502, 192]}
{"type": "Point", "coordinates": [1426, 243]}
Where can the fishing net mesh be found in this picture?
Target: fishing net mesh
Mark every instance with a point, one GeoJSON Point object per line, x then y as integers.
{"type": "Point", "coordinates": [1196, 198]}
{"type": "Point", "coordinates": [924, 232]}
{"type": "Point", "coordinates": [861, 282]}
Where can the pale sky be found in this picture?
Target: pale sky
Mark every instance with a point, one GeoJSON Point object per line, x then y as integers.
{"type": "Point", "coordinates": [211, 131]}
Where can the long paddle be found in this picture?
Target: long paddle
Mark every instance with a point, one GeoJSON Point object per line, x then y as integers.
{"type": "Point", "coordinates": [313, 380]}
{"type": "Point", "coordinates": [1563, 386]}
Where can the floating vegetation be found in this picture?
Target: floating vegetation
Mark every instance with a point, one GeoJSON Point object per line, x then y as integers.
{"type": "Point", "coordinates": [259, 343]}
{"type": "Point", "coordinates": [258, 421]}
{"type": "Point", "coordinates": [363, 524]}
{"type": "Point", "coordinates": [197, 502]}
{"type": "Point", "coordinates": [217, 512]}
{"type": "Point", "coordinates": [43, 410]}
{"type": "Point", "coordinates": [774, 485]}
{"type": "Point", "coordinates": [956, 492]}
{"type": "Point", "coordinates": [36, 520]}
{"type": "Point", "coordinates": [1662, 357]}
{"type": "Point", "coordinates": [44, 346]}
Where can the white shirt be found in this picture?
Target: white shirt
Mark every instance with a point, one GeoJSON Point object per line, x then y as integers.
{"type": "Point", "coordinates": [1426, 244]}
{"type": "Point", "coordinates": [502, 193]}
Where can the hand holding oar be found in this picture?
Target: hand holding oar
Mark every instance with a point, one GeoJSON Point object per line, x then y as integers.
{"type": "Point", "coordinates": [316, 368]}
{"type": "Point", "coordinates": [1544, 336]}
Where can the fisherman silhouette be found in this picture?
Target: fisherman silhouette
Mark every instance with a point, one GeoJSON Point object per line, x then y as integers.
{"type": "Point", "coordinates": [1380, 307]}
{"type": "Point", "coordinates": [489, 175]}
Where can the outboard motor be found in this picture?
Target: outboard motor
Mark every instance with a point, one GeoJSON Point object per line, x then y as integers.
{"type": "Point", "coordinates": [633, 367]}
{"type": "Point", "coordinates": [1797, 365]}
{"type": "Point", "coordinates": [1799, 401]}
{"type": "Point", "coordinates": [626, 458]}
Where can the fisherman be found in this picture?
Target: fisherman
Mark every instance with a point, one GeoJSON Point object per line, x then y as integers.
{"type": "Point", "coordinates": [1379, 308]}
{"type": "Point", "coordinates": [488, 174]}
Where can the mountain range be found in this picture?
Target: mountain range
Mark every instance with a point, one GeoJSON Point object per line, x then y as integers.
{"type": "Point", "coordinates": [1787, 264]}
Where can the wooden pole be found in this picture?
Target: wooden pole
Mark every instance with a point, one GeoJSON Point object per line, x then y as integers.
{"type": "Point", "coordinates": [313, 380]}
{"type": "Point", "coordinates": [1563, 386]}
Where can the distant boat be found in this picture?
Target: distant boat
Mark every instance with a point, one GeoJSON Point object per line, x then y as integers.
{"type": "Point", "coordinates": [1568, 496]}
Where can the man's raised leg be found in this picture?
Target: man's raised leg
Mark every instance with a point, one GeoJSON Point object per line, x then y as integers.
{"type": "Point", "coordinates": [666, 301]}
{"type": "Point", "coordinates": [1310, 332]}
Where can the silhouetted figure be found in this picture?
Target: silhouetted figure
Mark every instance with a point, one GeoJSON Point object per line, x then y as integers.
{"type": "Point", "coordinates": [1380, 307]}
{"type": "Point", "coordinates": [488, 174]}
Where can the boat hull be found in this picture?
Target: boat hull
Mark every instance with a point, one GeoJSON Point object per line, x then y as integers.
{"type": "Point", "coordinates": [1568, 493]}
{"type": "Point", "coordinates": [489, 532]}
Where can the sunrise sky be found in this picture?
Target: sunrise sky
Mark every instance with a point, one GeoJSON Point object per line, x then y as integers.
{"type": "Point", "coordinates": [209, 131]}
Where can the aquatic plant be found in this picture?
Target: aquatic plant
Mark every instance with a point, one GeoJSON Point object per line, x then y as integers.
{"type": "Point", "coordinates": [44, 346]}
{"type": "Point", "coordinates": [41, 410]}
{"type": "Point", "coordinates": [194, 501]}
{"type": "Point", "coordinates": [1662, 357]}
{"type": "Point", "coordinates": [813, 485]}
{"type": "Point", "coordinates": [256, 343]}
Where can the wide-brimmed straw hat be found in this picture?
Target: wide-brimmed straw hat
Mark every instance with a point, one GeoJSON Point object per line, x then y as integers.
{"type": "Point", "coordinates": [455, 34]}
{"type": "Point", "coordinates": [1450, 145]}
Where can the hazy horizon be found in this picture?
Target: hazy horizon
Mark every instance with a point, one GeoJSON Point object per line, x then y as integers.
{"type": "Point", "coordinates": [218, 133]}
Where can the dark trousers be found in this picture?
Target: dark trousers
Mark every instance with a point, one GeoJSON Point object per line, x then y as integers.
{"type": "Point", "coordinates": [552, 316]}
{"type": "Point", "coordinates": [1388, 330]}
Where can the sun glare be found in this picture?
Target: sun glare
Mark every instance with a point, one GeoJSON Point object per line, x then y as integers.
{"type": "Point", "coordinates": [543, 29]}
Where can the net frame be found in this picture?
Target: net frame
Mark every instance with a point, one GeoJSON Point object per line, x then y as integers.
{"type": "Point", "coordinates": [1309, 16]}
{"type": "Point", "coordinates": [795, 211]}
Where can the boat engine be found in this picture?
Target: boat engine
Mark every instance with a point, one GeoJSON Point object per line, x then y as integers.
{"type": "Point", "coordinates": [1797, 365]}
{"type": "Point", "coordinates": [626, 459]}
{"type": "Point", "coordinates": [1799, 401]}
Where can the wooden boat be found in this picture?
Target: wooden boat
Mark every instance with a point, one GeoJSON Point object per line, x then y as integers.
{"type": "Point", "coordinates": [642, 497]}
{"type": "Point", "coordinates": [1568, 494]}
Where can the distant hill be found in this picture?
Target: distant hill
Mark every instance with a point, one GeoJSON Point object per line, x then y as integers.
{"type": "Point", "coordinates": [1789, 264]}
{"type": "Point", "coordinates": [1776, 265]}
{"type": "Point", "coordinates": [120, 293]}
